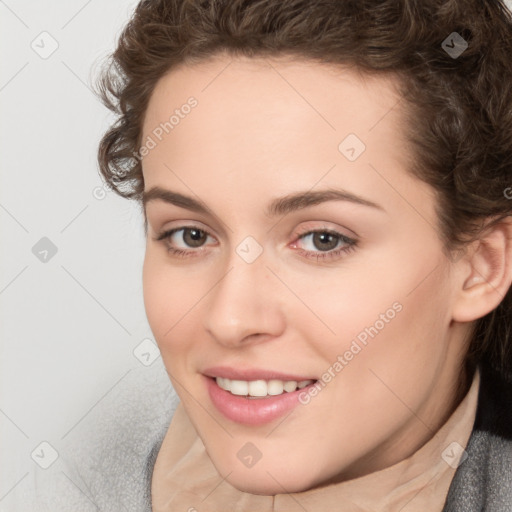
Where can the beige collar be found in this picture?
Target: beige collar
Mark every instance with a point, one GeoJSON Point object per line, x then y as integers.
{"type": "Point", "coordinates": [184, 477]}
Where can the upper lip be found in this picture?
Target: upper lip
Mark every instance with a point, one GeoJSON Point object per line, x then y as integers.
{"type": "Point", "coordinates": [250, 374]}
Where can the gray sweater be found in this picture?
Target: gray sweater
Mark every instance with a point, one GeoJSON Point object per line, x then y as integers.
{"type": "Point", "coordinates": [484, 481]}
{"type": "Point", "coordinates": [106, 465]}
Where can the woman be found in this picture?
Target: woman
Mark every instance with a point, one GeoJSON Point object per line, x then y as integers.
{"type": "Point", "coordinates": [326, 189]}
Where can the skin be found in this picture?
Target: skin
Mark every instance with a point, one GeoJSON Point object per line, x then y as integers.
{"type": "Point", "coordinates": [266, 128]}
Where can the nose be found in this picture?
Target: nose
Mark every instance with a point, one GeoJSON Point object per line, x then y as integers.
{"type": "Point", "coordinates": [245, 305]}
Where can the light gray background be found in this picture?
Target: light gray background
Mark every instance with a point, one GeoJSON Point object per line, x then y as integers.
{"type": "Point", "coordinates": [71, 326]}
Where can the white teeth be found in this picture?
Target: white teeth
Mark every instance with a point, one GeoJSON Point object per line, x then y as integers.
{"type": "Point", "coordinates": [257, 388]}
{"type": "Point", "coordinates": [260, 388]}
{"type": "Point", "coordinates": [239, 387]}
{"type": "Point", "coordinates": [290, 386]}
{"type": "Point", "coordinates": [275, 387]}
{"type": "Point", "coordinates": [224, 383]}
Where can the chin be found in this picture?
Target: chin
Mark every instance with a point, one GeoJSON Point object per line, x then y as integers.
{"type": "Point", "coordinates": [270, 482]}
{"type": "Point", "coordinates": [267, 486]}
{"type": "Point", "coordinates": [255, 487]}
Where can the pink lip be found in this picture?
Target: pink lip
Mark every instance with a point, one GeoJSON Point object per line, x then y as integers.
{"type": "Point", "coordinates": [252, 411]}
{"type": "Point", "coordinates": [251, 374]}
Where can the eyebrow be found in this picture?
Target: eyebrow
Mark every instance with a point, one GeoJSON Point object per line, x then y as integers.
{"type": "Point", "coordinates": [279, 206]}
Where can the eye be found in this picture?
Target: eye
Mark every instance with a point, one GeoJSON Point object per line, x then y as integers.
{"type": "Point", "coordinates": [190, 237]}
{"type": "Point", "coordinates": [325, 243]}
{"type": "Point", "coordinates": [320, 244]}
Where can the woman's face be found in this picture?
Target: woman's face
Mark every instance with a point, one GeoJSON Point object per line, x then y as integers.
{"type": "Point", "coordinates": [303, 250]}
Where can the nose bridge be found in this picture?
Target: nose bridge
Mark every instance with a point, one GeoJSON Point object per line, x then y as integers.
{"type": "Point", "coordinates": [244, 301]}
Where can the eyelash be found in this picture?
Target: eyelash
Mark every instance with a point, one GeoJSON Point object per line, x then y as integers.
{"type": "Point", "coordinates": [321, 255]}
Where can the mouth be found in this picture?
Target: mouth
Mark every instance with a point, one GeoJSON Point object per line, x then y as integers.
{"type": "Point", "coordinates": [261, 388]}
{"type": "Point", "coordinates": [255, 402]}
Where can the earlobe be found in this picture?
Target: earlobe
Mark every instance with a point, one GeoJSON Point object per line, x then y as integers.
{"type": "Point", "coordinates": [486, 273]}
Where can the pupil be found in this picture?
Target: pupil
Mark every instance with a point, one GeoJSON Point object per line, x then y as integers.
{"type": "Point", "coordinates": [196, 235]}
{"type": "Point", "coordinates": [324, 238]}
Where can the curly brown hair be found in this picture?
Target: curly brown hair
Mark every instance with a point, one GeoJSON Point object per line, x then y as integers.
{"type": "Point", "coordinates": [458, 107]}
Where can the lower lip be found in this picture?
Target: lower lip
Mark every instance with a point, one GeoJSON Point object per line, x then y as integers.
{"type": "Point", "coordinates": [252, 411]}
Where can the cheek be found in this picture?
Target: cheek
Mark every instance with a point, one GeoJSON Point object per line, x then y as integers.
{"type": "Point", "coordinates": [345, 308]}
{"type": "Point", "coordinates": [378, 321]}
{"type": "Point", "coordinates": [154, 294]}
{"type": "Point", "coordinates": [173, 305]}
{"type": "Point", "coordinates": [166, 300]}
{"type": "Point", "coordinates": [400, 357]}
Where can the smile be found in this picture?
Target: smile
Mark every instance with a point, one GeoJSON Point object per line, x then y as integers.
{"type": "Point", "coordinates": [254, 402]}
{"type": "Point", "coordinates": [260, 388]}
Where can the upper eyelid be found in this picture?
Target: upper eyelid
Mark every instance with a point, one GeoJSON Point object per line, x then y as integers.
{"type": "Point", "coordinates": [222, 228]}
{"type": "Point", "coordinates": [198, 224]}
{"type": "Point", "coordinates": [331, 255]}
{"type": "Point", "coordinates": [302, 234]}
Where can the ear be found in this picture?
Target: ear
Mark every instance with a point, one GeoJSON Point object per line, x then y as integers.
{"type": "Point", "coordinates": [485, 273]}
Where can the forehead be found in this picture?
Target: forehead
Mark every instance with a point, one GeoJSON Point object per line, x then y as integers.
{"type": "Point", "coordinates": [247, 106]}
{"type": "Point", "coordinates": [267, 126]}
{"type": "Point", "coordinates": [277, 85]}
